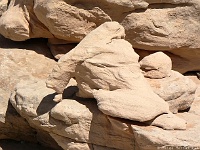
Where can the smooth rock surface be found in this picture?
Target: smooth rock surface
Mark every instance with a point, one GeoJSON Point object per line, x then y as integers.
{"type": "Point", "coordinates": [156, 138]}
{"type": "Point", "coordinates": [169, 122]}
{"type": "Point", "coordinates": [130, 104]}
{"type": "Point", "coordinates": [157, 65]}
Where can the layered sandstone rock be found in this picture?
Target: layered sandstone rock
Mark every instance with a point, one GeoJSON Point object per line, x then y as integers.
{"type": "Point", "coordinates": [77, 123]}
{"type": "Point", "coordinates": [173, 87]}
{"type": "Point", "coordinates": [21, 62]}
{"type": "Point", "coordinates": [104, 67]}
{"type": "Point", "coordinates": [150, 25]}
{"type": "Point", "coordinates": [19, 22]}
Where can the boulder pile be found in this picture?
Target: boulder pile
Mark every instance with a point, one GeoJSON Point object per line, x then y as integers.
{"type": "Point", "coordinates": [100, 75]}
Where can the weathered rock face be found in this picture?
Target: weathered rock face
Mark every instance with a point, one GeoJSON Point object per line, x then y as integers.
{"type": "Point", "coordinates": [56, 15]}
{"type": "Point", "coordinates": [173, 87]}
{"type": "Point", "coordinates": [105, 67]}
{"type": "Point", "coordinates": [3, 6]}
{"type": "Point", "coordinates": [130, 111]}
{"type": "Point", "coordinates": [77, 123]}
{"type": "Point", "coordinates": [177, 90]}
{"type": "Point", "coordinates": [165, 27]}
{"type": "Point", "coordinates": [182, 61]}
{"type": "Point", "coordinates": [157, 65]}
{"type": "Point", "coordinates": [19, 23]}
{"type": "Point", "coordinates": [172, 25]}
{"type": "Point", "coordinates": [20, 62]}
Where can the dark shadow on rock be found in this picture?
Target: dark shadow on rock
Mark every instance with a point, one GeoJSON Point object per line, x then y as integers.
{"type": "Point", "coordinates": [20, 145]}
{"type": "Point", "coordinates": [70, 92]}
{"type": "Point", "coordinates": [46, 104]}
{"type": "Point", "coordinates": [38, 45]}
{"type": "Point", "coordinates": [16, 127]}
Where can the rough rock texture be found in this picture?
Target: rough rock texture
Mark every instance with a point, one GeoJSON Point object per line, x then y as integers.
{"type": "Point", "coordinates": [20, 62]}
{"type": "Point", "coordinates": [176, 89]}
{"type": "Point", "coordinates": [182, 61]}
{"type": "Point", "coordinates": [19, 22]}
{"type": "Point", "coordinates": [169, 122]}
{"type": "Point", "coordinates": [74, 121]}
{"type": "Point", "coordinates": [171, 25]}
{"type": "Point", "coordinates": [77, 123]}
{"type": "Point", "coordinates": [109, 63]}
{"type": "Point", "coordinates": [56, 15]}
{"type": "Point", "coordinates": [156, 138]}
{"type": "Point", "coordinates": [157, 65]}
{"type": "Point", "coordinates": [165, 27]}
{"type": "Point", "coordinates": [3, 6]}
{"type": "Point", "coordinates": [130, 104]}
{"type": "Point", "coordinates": [196, 104]}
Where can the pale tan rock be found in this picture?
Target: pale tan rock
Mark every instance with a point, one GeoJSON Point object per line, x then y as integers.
{"type": "Point", "coordinates": [130, 104]}
{"type": "Point", "coordinates": [185, 60]}
{"type": "Point", "coordinates": [55, 15]}
{"type": "Point", "coordinates": [88, 125]}
{"type": "Point", "coordinates": [163, 26]}
{"type": "Point", "coordinates": [154, 138]}
{"type": "Point", "coordinates": [87, 48]}
{"type": "Point", "coordinates": [3, 6]}
{"type": "Point", "coordinates": [169, 122]}
{"type": "Point", "coordinates": [69, 144]}
{"type": "Point", "coordinates": [106, 63]}
{"type": "Point", "coordinates": [76, 119]}
{"type": "Point", "coordinates": [177, 90]}
{"type": "Point", "coordinates": [157, 65]}
{"type": "Point", "coordinates": [19, 23]}
{"type": "Point", "coordinates": [19, 62]}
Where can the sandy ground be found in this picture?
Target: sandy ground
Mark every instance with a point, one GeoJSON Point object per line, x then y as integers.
{"type": "Point", "coordinates": [15, 145]}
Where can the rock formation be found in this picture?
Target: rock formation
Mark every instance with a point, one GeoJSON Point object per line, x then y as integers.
{"type": "Point", "coordinates": [116, 78]}
{"type": "Point", "coordinates": [167, 25]}
{"type": "Point", "coordinates": [106, 68]}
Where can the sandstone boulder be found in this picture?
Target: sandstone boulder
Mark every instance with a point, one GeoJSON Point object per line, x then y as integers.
{"type": "Point", "coordinates": [156, 138]}
{"type": "Point", "coordinates": [109, 63]}
{"type": "Point", "coordinates": [177, 90]}
{"type": "Point", "coordinates": [196, 104]}
{"type": "Point", "coordinates": [182, 61]}
{"type": "Point", "coordinates": [169, 122]}
{"type": "Point", "coordinates": [20, 62]}
{"type": "Point", "coordinates": [19, 23]}
{"type": "Point", "coordinates": [71, 122]}
{"type": "Point", "coordinates": [157, 65]}
{"type": "Point", "coordinates": [55, 15]}
{"type": "Point", "coordinates": [77, 123]}
{"type": "Point", "coordinates": [167, 26]}
{"type": "Point", "coordinates": [130, 104]}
